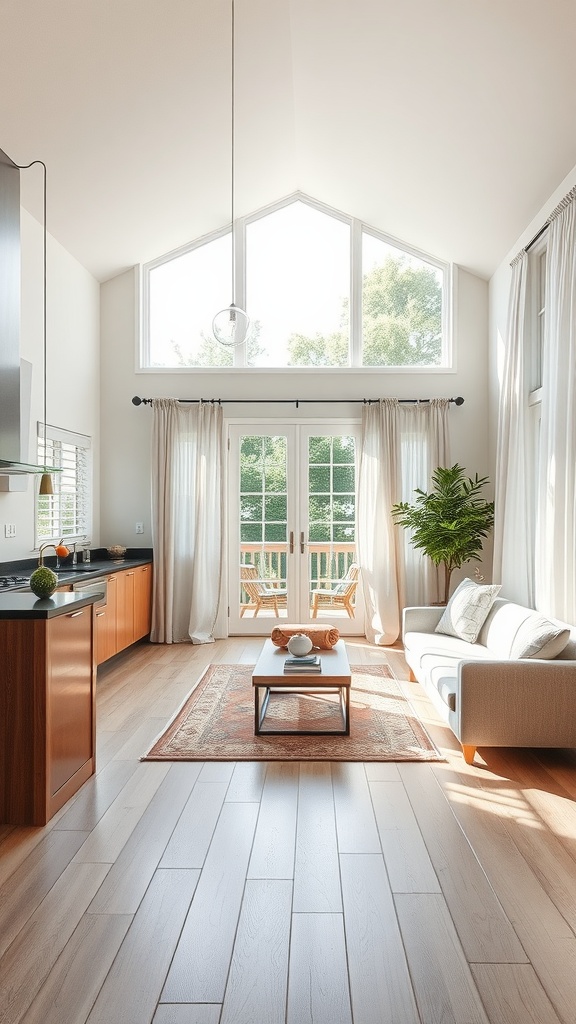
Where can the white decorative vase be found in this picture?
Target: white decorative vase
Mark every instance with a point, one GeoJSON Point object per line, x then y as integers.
{"type": "Point", "coordinates": [299, 645]}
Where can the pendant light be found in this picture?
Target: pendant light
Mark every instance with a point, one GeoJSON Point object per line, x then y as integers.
{"type": "Point", "coordinates": [230, 326]}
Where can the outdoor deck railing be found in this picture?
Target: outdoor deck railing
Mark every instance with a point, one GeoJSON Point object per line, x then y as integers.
{"type": "Point", "coordinates": [327, 562]}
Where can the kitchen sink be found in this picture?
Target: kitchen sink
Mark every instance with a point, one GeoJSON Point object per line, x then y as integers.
{"type": "Point", "coordinates": [65, 570]}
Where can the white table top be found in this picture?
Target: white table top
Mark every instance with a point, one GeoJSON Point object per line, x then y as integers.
{"type": "Point", "coordinates": [269, 668]}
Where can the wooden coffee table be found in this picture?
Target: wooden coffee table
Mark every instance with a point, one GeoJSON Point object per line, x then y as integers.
{"type": "Point", "coordinates": [269, 675]}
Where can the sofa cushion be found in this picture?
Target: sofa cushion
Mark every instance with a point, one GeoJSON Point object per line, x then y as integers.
{"type": "Point", "coordinates": [468, 609]}
{"type": "Point", "coordinates": [514, 631]}
{"type": "Point", "coordinates": [537, 637]}
{"type": "Point", "coordinates": [442, 646]}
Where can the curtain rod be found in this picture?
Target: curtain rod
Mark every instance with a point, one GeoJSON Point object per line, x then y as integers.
{"type": "Point", "coordinates": [568, 198]}
{"type": "Point", "coordinates": [290, 401]}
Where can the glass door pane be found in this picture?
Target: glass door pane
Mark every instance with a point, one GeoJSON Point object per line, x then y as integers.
{"type": "Point", "coordinates": [263, 525]}
{"type": "Point", "coordinates": [261, 509]}
{"type": "Point", "coordinates": [333, 577]}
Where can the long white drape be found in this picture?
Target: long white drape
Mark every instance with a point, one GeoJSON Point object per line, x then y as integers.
{"type": "Point", "coordinates": [515, 469]}
{"type": "Point", "coordinates": [401, 446]}
{"type": "Point", "coordinates": [187, 520]}
{"type": "Point", "coordinates": [556, 516]}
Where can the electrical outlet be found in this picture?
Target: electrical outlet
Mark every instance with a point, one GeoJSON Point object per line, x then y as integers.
{"type": "Point", "coordinates": [139, 527]}
{"type": "Point", "coordinates": [9, 529]}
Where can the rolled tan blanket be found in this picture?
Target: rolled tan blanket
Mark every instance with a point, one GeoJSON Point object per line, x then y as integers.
{"type": "Point", "coordinates": [323, 637]}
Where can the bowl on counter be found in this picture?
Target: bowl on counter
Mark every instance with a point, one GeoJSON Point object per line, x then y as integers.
{"type": "Point", "coordinates": [117, 552]}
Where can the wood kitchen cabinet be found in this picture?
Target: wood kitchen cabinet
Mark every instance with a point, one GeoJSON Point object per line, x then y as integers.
{"type": "Point", "coordinates": [70, 699]}
{"type": "Point", "coordinates": [126, 616]}
{"type": "Point", "coordinates": [106, 632]}
{"type": "Point", "coordinates": [142, 601]}
{"type": "Point", "coordinates": [47, 712]}
{"type": "Point", "coordinates": [125, 609]}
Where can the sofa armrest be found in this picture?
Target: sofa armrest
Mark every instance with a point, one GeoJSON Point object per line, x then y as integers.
{"type": "Point", "coordinates": [421, 620]}
{"type": "Point", "coordinates": [523, 703]}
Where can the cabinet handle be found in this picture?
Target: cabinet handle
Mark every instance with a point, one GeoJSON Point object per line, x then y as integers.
{"type": "Point", "coordinates": [291, 542]}
{"type": "Point", "coordinates": [74, 614]}
{"type": "Point", "coordinates": [129, 573]}
{"type": "Point", "coordinates": [98, 614]}
{"type": "Point", "coordinates": [302, 542]}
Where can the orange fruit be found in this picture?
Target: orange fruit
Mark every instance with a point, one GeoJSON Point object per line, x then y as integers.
{"type": "Point", "coordinates": [62, 551]}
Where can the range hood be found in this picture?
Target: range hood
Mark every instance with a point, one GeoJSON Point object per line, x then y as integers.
{"type": "Point", "coordinates": [15, 375]}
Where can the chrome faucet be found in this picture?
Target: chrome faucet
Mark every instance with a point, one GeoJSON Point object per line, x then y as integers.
{"type": "Point", "coordinates": [41, 551]}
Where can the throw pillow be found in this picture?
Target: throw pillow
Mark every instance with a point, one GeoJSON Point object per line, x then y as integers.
{"type": "Point", "coordinates": [468, 609]}
{"type": "Point", "coordinates": [537, 637]}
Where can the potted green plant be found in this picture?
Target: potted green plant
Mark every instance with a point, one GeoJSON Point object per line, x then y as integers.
{"type": "Point", "coordinates": [450, 522]}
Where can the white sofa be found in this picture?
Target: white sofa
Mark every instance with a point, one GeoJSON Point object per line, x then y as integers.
{"type": "Point", "coordinates": [488, 697]}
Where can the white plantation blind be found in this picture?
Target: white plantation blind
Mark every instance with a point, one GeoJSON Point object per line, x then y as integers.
{"type": "Point", "coordinates": [66, 513]}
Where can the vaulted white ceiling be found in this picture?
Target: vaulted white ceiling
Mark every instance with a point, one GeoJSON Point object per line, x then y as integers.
{"type": "Point", "coordinates": [445, 123]}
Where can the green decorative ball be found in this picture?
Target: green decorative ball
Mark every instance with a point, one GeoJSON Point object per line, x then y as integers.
{"type": "Point", "coordinates": [43, 581]}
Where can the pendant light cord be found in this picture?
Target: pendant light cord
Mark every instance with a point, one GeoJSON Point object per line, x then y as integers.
{"type": "Point", "coordinates": [231, 325]}
{"type": "Point", "coordinates": [25, 167]}
{"type": "Point", "coordinates": [233, 123]}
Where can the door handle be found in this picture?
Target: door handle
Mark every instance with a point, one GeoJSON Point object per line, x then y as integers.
{"type": "Point", "coordinates": [302, 542]}
{"type": "Point", "coordinates": [291, 542]}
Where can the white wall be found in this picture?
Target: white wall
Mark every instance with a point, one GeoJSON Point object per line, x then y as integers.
{"type": "Point", "coordinates": [125, 432]}
{"type": "Point", "coordinates": [73, 393]}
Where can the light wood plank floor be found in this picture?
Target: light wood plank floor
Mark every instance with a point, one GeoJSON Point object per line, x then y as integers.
{"type": "Point", "coordinates": [285, 893]}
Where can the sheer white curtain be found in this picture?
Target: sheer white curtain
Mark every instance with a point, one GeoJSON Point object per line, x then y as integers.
{"type": "Point", "coordinates": [556, 514]}
{"type": "Point", "coordinates": [401, 446]}
{"type": "Point", "coordinates": [514, 508]}
{"type": "Point", "coordinates": [187, 520]}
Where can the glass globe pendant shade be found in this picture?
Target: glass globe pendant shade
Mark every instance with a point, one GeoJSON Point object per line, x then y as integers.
{"type": "Point", "coordinates": [231, 326]}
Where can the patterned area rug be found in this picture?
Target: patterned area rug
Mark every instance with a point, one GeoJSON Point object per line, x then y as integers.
{"type": "Point", "coordinates": [216, 722]}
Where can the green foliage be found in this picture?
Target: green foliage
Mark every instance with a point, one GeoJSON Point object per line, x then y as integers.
{"type": "Point", "coordinates": [450, 522]}
{"type": "Point", "coordinates": [401, 316]}
{"type": "Point", "coordinates": [401, 322]}
{"type": "Point", "coordinates": [319, 350]}
{"type": "Point", "coordinates": [212, 353]}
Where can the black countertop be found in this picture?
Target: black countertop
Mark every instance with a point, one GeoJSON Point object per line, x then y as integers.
{"type": "Point", "coordinates": [19, 605]}
{"type": "Point", "coordinates": [97, 567]}
{"type": "Point", "coordinates": [82, 571]}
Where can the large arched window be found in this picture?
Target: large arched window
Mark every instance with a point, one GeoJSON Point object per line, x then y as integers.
{"type": "Point", "coordinates": [321, 289]}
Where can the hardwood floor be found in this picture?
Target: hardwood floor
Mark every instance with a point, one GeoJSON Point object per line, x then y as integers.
{"type": "Point", "coordinates": [285, 893]}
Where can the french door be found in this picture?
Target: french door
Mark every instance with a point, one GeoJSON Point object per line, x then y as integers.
{"type": "Point", "coordinates": [292, 526]}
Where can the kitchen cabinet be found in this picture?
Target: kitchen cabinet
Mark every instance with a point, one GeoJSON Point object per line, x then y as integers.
{"type": "Point", "coordinates": [142, 601]}
{"type": "Point", "coordinates": [125, 609]}
{"type": "Point", "coordinates": [106, 633]}
{"type": "Point", "coordinates": [126, 616]}
{"type": "Point", "coordinates": [47, 708]}
{"type": "Point", "coordinates": [69, 693]}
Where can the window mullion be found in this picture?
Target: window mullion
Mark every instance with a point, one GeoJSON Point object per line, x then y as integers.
{"type": "Point", "coordinates": [239, 243]}
{"type": "Point", "coordinates": [356, 293]}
